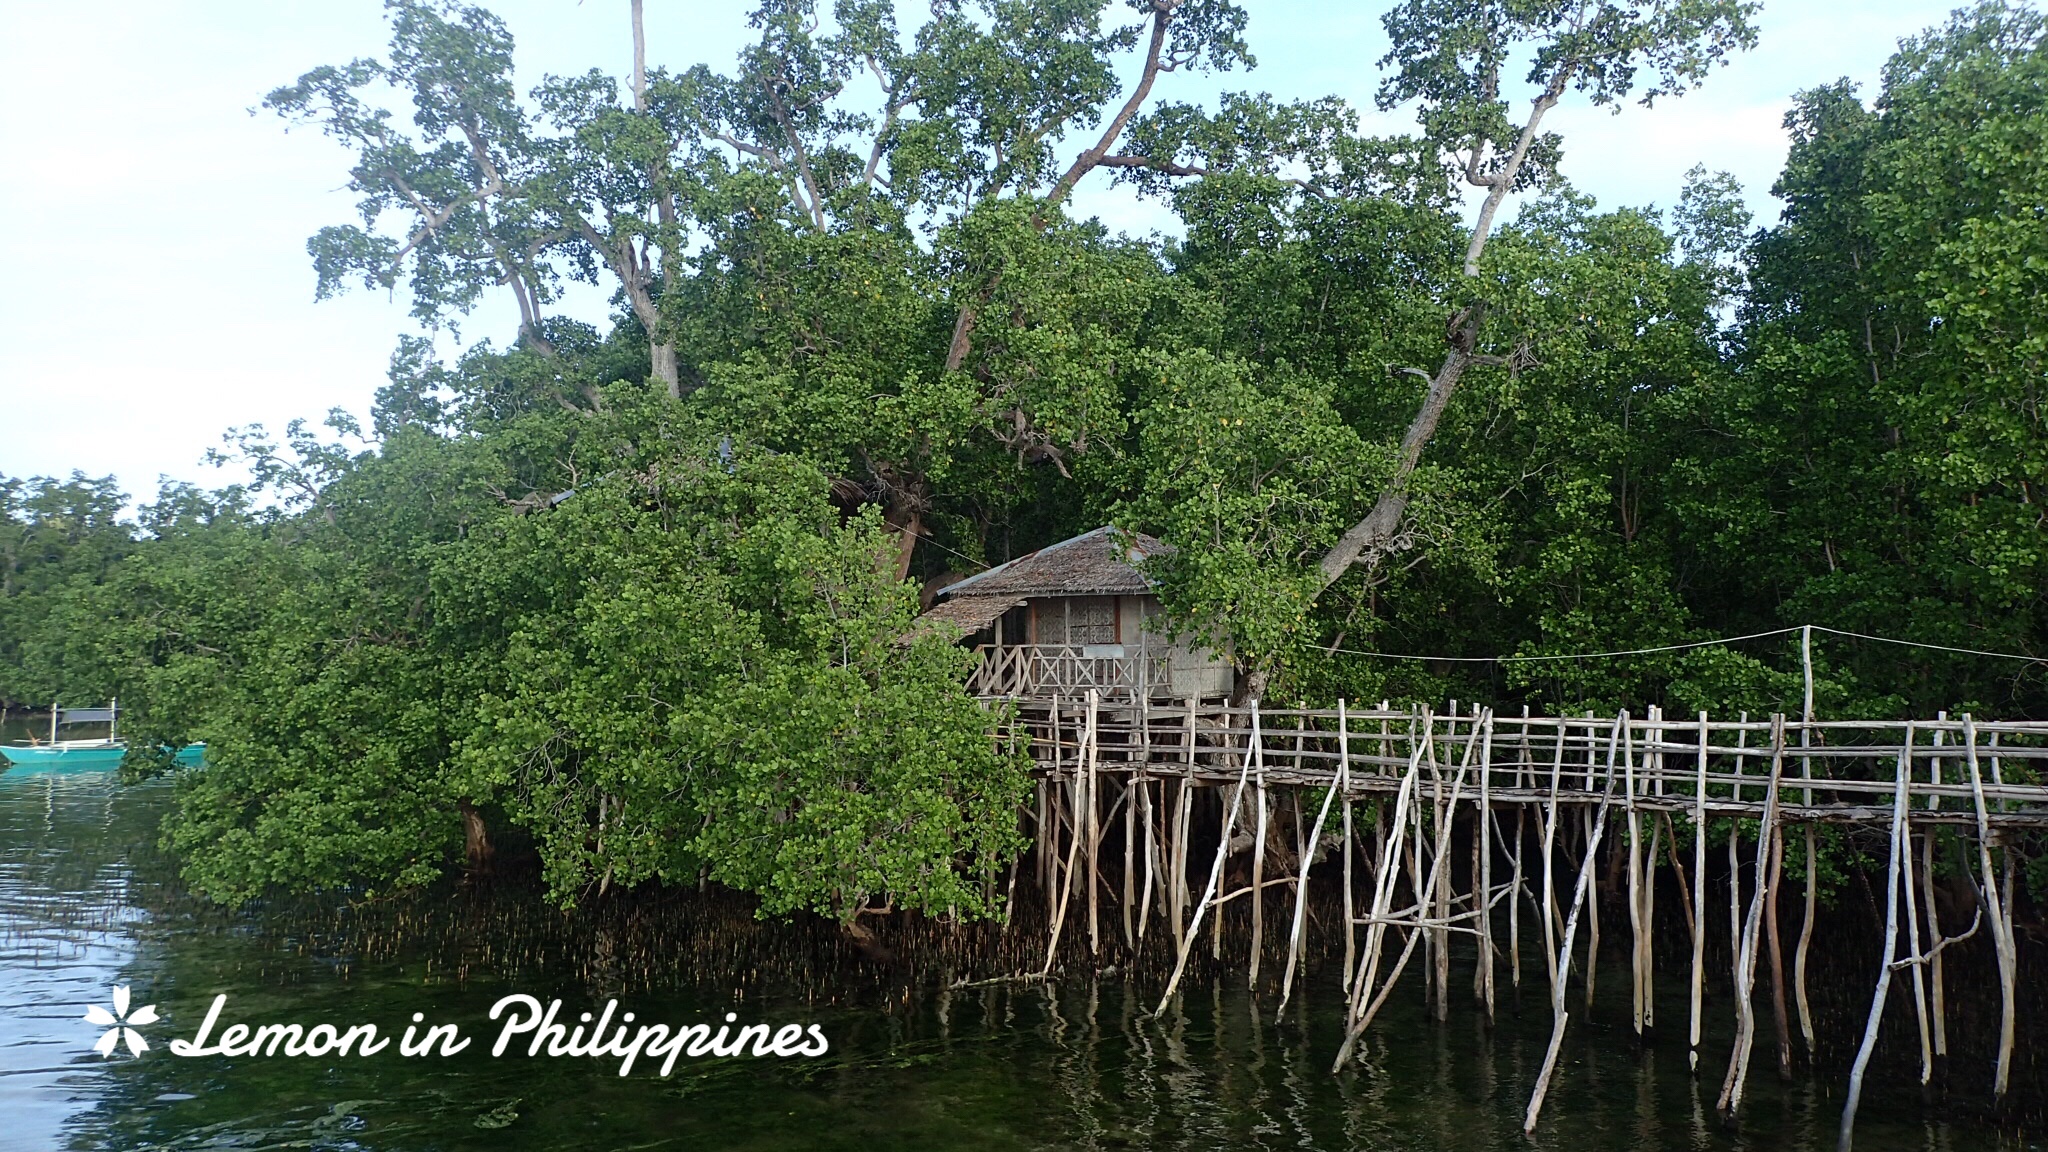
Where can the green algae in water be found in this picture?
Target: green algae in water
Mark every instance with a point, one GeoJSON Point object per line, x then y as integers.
{"type": "Point", "coordinates": [500, 1117]}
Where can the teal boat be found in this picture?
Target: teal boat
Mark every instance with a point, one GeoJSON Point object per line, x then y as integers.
{"type": "Point", "coordinates": [84, 755]}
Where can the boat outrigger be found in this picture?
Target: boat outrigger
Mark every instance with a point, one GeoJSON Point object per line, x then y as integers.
{"type": "Point", "coordinates": [104, 752]}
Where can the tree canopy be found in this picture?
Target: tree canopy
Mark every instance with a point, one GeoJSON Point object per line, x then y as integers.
{"type": "Point", "coordinates": [645, 593]}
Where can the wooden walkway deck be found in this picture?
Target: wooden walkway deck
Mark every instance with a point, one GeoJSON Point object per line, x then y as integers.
{"type": "Point", "coordinates": [1437, 825]}
{"type": "Point", "coordinates": [1849, 767]}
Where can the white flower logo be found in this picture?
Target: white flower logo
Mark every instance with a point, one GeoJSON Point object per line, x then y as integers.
{"type": "Point", "coordinates": [121, 1024]}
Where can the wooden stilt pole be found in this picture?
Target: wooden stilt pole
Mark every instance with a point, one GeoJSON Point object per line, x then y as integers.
{"type": "Point", "coordinates": [1515, 899]}
{"type": "Point", "coordinates": [1812, 872]}
{"type": "Point", "coordinates": [1439, 863]}
{"type": "Point", "coordinates": [1050, 864]}
{"type": "Point", "coordinates": [1215, 869]}
{"type": "Point", "coordinates": [1917, 973]}
{"type": "Point", "coordinates": [1635, 896]}
{"type": "Point", "coordinates": [1525, 777]}
{"type": "Point", "coordinates": [1735, 860]}
{"type": "Point", "coordinates": [1066, 802]}
{"type": "Point", "coordinates": [1427, 723]}
{"type": "Point", "coordinates": [1161, 810]}
{"type": "Point", "coordinates": [1130, 860]}
{"type": "Point", "coordinates": [2000, 916]}
{"type": "Point", "coordinates": [1936, 978]}
{"type": "Point", "coordinates": [1550, 918]}
{"type": "Point", "coordinates": [1483, 902]}
{"type": "Point", "coordinates": [1302, 849]}
{"type": "Point", "coordinates": [1216, 921]}
{"type": "Point", "coordinates": [1678, 870]}
{"type": "Point", "coordinates": [1806, 921]}
{"type": "Point", "coordinates": [1649, 954]}
{"type": "Point", "coordinates": [1771, 936]}
{"type": "Point", "coordinates": [1153, 873]}
{"type": "Point", "coordinates": [1040, 837]}
{"type": "Point", "coordinates": [1350, 913]}
{"type": "Point", "coordinates": [1183, 821]}
{"type": "Point", "coordinates": [2008, 971]}
{"type": "Point", "coordinates": [1184, 897]}
{"type": "Point", "coordinates": [1258, 893]}
{"type": "Point", "coordinates": [1653, 759]}
{"type": "Point", "coordinates": [1440, 881]}
{"type": "Point", "coordinates": [1296, 932]}
{"type": "Point", "coordinates": [1094, 826]}
{"type": "Point", "coordinates": [1477, 900]}
{"type": "Point", "coordinates": [1699, 920]}
{"type": "Point", "coordinates": [1900, 848]}
{"type": "Point", "coordinates": [1559, 1016]}
{"type": "Point", "coordinates": [1059, 921]}
{"type": "Point", "coordinates": [1380, 846]}
{"type": "Point", "coordinates": [1067, 807]}
{"type": "Point", "coordinates": [1387, 869]}
{"type": "Point", "coordinates": [1745, 1035]}
{"type": "Point", "coordinates": [1592, 919]}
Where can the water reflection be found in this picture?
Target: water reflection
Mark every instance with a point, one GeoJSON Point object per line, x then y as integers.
{"type": "Point", "coordinates": [65, 936]}
{"type": "Point", "coordinates": [85, 902]}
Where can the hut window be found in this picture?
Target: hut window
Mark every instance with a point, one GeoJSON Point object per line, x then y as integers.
{"type": "Point", "coordinates": [1091, 620]}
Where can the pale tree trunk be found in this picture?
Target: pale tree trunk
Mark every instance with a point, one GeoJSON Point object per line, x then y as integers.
{"type": "Point", "coordinates": [910, 527]}
{"type": "Point", "coordinates": [905, 519]}
{"type": "Point", "coordinates": [661, 353]}
{"type": "Point", "coordinates": [530, 335]}
{"type": "Point", "coordinates": [639, 56]}
{"type": "Point", "coordinates": [1372, 539]}
{"type": "Point", "coordinates": [663, 358]}
{"type": "Point", "coordinates": [633, 267]}
{"type": "Point", "coordinates": [534, 341]}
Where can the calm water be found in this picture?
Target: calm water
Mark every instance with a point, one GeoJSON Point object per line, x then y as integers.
{"type": "Point", "coordinates": [86, 903]}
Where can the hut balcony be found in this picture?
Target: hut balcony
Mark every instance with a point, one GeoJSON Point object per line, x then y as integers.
{"type": "Point", "coordinates": [1116, 671]}
{"type": "Point", "coordinates": [1078, 616]}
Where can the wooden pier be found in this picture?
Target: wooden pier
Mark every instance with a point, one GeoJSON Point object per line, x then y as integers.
{"type": "Point", "coordinates": [1489, 828]}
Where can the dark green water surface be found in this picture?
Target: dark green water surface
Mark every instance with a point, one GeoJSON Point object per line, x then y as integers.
{"type": "Point", "coordinates": [86, 903]}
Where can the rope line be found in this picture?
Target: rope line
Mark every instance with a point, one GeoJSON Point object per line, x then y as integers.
{"type": "Point", "coordinates": [1684, 646]}
{"type": "Point", "coordinates": [1935, 647]}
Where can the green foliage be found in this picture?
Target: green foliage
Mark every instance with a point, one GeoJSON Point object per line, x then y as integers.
{"type": "Point", "coordinates": [1253, 480]}
{"type": "Point", "coordinates": [694, 663]}
{"type": "Point", "coordinates": [58, 540]}
{"type": "Point", "coordinates": [1882, 444]}
{"type": "Point", "coordinates": [689, 662]}
{"type": "Point", "coordinates": [655, 625]}
{"type": "Point", "coordinates": [1449, 56]}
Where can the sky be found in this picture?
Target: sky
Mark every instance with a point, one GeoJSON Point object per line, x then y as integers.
{"type": "Point", "coordinates": [154, 285]}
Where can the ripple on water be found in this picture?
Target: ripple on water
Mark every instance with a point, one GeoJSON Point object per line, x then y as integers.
{"type": "Point", "coordinates": [66, 915]}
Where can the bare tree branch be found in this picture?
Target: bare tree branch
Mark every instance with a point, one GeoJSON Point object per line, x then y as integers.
{"type": "Point", "coordinates": [1162, 15]}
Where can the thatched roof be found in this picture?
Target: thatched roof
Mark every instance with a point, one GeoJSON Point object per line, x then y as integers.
{"type": "Point", "coordinates": [970, 613]}
{"type": "Point", "coordinates": [1094, 563]}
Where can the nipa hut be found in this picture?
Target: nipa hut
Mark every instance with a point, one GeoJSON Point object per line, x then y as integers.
{"type": "Point", "coordinates": [1075, 616]}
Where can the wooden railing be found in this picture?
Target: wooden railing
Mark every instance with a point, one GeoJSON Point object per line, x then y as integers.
{"type": "Point", "coordinates": [1408, 811]}
{"type": "Point", "coordinates": [1829, 771]}
{"type": "Point", "coordinates": [1035, 670]}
